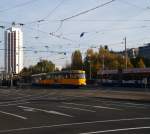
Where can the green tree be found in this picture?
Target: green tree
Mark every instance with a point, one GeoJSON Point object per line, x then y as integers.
{"type": "Point", "coordinates": [42, 66]}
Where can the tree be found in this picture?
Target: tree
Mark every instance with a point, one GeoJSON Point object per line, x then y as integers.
{"type": "Point", "coordinates": [76, 60]}
{"type": "Point", "coordinates": [108, 59]}
{"type": "Point", "coordinates": [138, 62]}
{"type": "Point", "coordinates": [42, 66]}
{"type": "Point", "coordinates": [45, 66]}
{"type": "Point", "coordinates": [141, 63]}
{"type": "Point", "coordinates": [91, 63]}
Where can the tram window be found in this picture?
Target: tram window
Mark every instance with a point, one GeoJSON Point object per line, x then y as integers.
{"type": "Point", "coordinates": [43, 77]}
{"type": "Point", "coordinates": [77, 75]}
{"type": "Point", "coordinates": [74, 76]}
{"type": "Point", "coordinates": [59, 76]}
{"type": "Point", "coordinates": [48, 76]}
{"type": "Point", "coordinates": [69, 75]}
{"type": "Point", "coordinates": [54, 76]}
{"type": "Point", "coordinates": [82, 76]}
{"type": "Point", "coordinates": [66, 76]}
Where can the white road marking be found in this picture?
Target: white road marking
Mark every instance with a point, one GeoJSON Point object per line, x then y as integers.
{"type": "Point", "coordinates": [117, 130]}
{"type": "Point", "coordinates": [72, 124]}
{"type": "Point", "coordinates": [26, 98]}
{"type": "Point", "coordinates": [127, 104]}
{"type": "Point", "coordinates": [106, 107]}
{"type": "Point", "coordinates": [28, 110]}
{"type": "Point", "coordinates": [76, 108]}
{"type": "Point", "coordinates": [15, 115]}
{"type": "Point", "coordinates": [58, 113]}
{"type": "Point", "coordinates": [13, 104]}
{"type": "Point", "coordinates": [137, 104]}
{"type": "Point", "coordinates": [102, 107]}
{"type": "Point", "coordinates": [46, 111]}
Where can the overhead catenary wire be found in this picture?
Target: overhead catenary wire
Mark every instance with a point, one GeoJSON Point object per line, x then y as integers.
{"type": "Point", "coordinates": [113, 29]}
{"type": "Point", "coordinates": [38, 51]}
{"type": "Point", "coordinates": [53, 10]}
{"type": "Point", "coordinates": [50, 34]}
{"type": "Point", "coordinates": [86, 11]}
{"type": "Point", "coordinates": [81, 13]}
{"type": "Point", "coordinates": [105, 20]}
{"type": "Point", "coordinates": [42, 19]}
{"type": "Point", "coordinates": [132, 4]}
{"type": "Point", "coordinates": [58, 36]}
{"type": "Point", "coordinates": [18, 5]}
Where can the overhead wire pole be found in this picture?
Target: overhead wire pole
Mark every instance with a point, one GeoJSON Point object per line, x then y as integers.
{"type": "Point", "coordinates": [126, 55]}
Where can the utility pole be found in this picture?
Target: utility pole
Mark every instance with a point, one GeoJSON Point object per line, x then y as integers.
{"type": "Point", "coordinates": [90, 69]}
{"type": "Point", "coordinates": [126, 55]}
{"type": "Point", "coordinates": [103, 65]}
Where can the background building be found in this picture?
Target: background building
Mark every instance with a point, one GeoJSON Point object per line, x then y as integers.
{"type": "Point", "coordinates": [144, 51]}
{"type": "Point", "coordinates": [13, 50]}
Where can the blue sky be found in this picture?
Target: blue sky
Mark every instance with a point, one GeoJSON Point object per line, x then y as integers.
{"type": "Point", "coordinates": [107, 25]}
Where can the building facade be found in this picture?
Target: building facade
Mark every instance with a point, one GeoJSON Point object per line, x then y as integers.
{"type": "Point", "coordinates": [144, 51]}
{"type": "Point", "coordinates": [13, 50]}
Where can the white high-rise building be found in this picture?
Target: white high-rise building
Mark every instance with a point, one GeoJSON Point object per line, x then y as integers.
{"type": "Point", "coordinates": [13, 50]}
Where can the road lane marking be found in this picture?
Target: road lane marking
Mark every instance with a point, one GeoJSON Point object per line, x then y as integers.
{"type": "Point", "coordinates": [117, 130]}
{"type": "Point", "coordinates": [14, 104]}
{"type": "Point", "coordinates": [106, 107]}
{"type": "Point", "coordinates": [102, 107]}
{"type": "Point", "coordinates": [27, 98]}
{"type": "Point", "coordinates": [72, 124]}
{"type": "Point", "coordinates": [46, 111]}
{"type": "Point", "coordinates": [127, 104]}
{"type": "Point", "coordinates": [15, 115]}
{"type": "Point", "coordinates": [75, 108]}
{"type": "Point", "coordinates": [58, 113]}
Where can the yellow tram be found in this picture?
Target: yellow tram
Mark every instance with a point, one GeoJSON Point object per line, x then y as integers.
{"type": "Point", "coordinates": [72, 78]}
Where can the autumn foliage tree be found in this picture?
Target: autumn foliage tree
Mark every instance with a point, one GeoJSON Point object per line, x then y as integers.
{"type": "Point", "coordinates": [76, 60]}
{"type": "Point", "coordinates": [141, 63]}
{"type": "Point", "coordinates": [103, 59]}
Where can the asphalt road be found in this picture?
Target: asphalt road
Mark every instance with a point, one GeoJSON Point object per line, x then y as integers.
{"type": "Point", "coordinates": [45, 112]}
